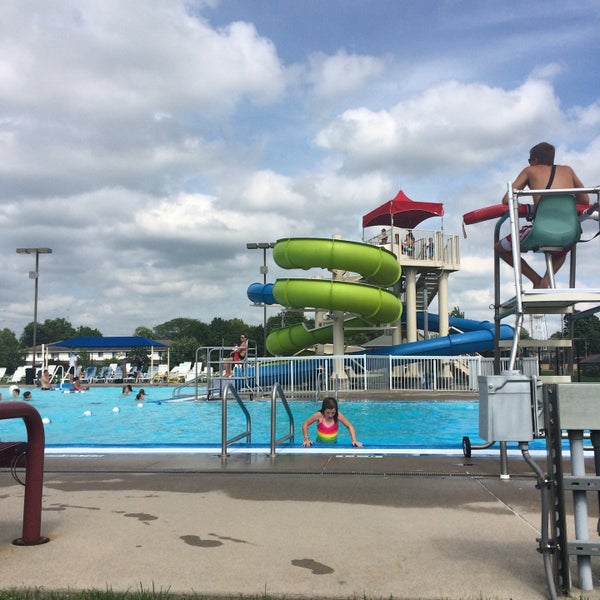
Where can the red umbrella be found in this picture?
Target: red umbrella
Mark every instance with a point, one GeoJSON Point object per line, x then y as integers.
{"type": "Point", "coordinates": [402, 212]}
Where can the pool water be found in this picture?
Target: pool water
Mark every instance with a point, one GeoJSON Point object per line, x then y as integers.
{"type": "Point", "coordinates": [102, 417]}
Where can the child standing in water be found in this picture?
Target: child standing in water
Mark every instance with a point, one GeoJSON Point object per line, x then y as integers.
{"type": "Point", "coordinates": [327, 424]}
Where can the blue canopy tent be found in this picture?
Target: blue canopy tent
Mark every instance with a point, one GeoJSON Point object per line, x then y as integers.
{"type": "Point", "coordinates": [111, 343]}
{"type": "Point", "coordinates": [98, 343]}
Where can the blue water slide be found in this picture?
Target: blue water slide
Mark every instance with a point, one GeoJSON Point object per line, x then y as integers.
{"type": "Point", "coordinates": [433, 322]}
{"type": "Point", "coordinates": [261, 293]}
{"type": "Point", "coordinates": [477, 336]}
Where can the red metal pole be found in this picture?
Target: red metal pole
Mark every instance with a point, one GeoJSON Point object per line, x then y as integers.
{"type": "Point", "coordinates": [34, 477]}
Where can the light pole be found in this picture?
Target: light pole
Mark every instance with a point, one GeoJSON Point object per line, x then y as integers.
{"type": "Point", "coordinates": [264, 246]}
{"type": "Point", "coordinates": [35, 275]}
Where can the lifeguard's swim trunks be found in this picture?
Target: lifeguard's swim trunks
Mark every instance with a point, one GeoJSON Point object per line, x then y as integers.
{"type": "Point", "coordinates": [505, 242]}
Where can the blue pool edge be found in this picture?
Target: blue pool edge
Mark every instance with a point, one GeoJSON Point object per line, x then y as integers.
{"type": "Point", "coordinates": [338, 450]}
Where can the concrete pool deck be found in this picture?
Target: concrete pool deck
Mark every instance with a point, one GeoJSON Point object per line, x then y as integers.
{"type": "Point", "coordinates": [402, 527]}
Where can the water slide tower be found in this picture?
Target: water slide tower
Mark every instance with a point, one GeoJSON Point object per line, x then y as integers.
{"type": "Point", "coordinates": [427, 257]}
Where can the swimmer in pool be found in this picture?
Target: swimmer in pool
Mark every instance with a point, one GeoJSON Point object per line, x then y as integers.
{"type": "Point", "coordinates": [78, 386]}
{"type": "Point", "coordinates": [327, 424]}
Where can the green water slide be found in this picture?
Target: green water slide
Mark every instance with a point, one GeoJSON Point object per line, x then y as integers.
{"type": "Point", "coordinates": [375, 305]}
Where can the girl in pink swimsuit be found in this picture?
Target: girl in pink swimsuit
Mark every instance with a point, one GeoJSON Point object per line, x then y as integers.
{"type": "Point", "coordinates": [327, 424]}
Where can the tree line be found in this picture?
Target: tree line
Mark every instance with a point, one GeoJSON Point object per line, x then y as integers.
{"type": "Point", "coordinates": [188, 334]}
{"type": "Point", "coordinates": [184, 334]}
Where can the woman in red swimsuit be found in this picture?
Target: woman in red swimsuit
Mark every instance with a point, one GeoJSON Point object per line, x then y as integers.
{"type": "Point", "coordinates": [237, 355]}
{"type": "Point", "coordinates": [327, 424]}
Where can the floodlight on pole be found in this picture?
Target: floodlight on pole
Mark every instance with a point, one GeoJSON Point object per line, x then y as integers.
{"type": "Point", "coordinates": [35, 275]}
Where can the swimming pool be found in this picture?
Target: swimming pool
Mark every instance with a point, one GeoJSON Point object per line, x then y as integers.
{"type": "Point", "coordinates": [101, 418]}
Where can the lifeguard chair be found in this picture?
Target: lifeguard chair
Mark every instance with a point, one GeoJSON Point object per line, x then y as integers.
{"type": "Point", "coordinates": [555, 228]}
{"type": "Point", "coordinates": [518, 408]}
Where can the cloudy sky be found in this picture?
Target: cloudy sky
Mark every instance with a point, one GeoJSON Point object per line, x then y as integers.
{"type": "Point", "coordinates": [147, 141]}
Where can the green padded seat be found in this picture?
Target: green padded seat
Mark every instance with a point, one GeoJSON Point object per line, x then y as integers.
{"type": "Point", "coordinates": [556, 224]}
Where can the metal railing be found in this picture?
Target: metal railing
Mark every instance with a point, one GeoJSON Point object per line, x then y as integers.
{"type": "Point", "coordinates": [278, 392]}
{"type": "Point", "coordinates": [428, 246]}
{"type": "Point", "coordinates": [322, 374]}
{"type": "Point", "coordinates": [318, 375]}
{"type": "Point", "coordinates": [528, 366]}
{"type": "Point", "coordinates": [58, 374]}
{"type": "Point", "coordinates": [228, 391]}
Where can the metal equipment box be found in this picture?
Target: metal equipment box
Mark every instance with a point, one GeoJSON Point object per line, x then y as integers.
{"type": "Point", "coordinates": [579, 405]}
{"type": "Point", "coordinates": [508, 408]}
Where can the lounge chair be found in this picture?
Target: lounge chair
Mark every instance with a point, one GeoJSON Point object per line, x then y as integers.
{"type": "Point", "coordinates": [173, 374]}
{"type": "Point", "coordinates": [89, 374]}
{"type": "Point", "coordinates": [161, 373]}
{"type": "Point", "coordinates": [2, 372]}
{"type": "Point", "coordinates": [184, 369]}
{"type": "Point", "coordinates": [150, 373]}
{"type": "Point", "coordinates": [18, 375]}
{"type": "Point", "coordinates": [178, 374]}
{"type": "Point", "coordinates": [101, 375]}
{"type": "Point", "coordinates": [106, 373]}
{"type": "Point", "coordinates": [135, 375]}
{"type": "Point", "coordinates": [115, 375]}
{"type": "Point", "coordinates": [195, 372]}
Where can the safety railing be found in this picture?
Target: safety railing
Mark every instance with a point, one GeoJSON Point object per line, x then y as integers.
{"type": "Point", "coordinates": [230, 391]}
{"type": "Point", "coordinates": [319, 375]}
{"type": "Point", "coordinates": [278, 393]}
{"type": "Point", "coordinates": [449, 374]}
{"type": "Point", "coordinates": [58, 375]}
{"type": "Point", "coordinates": [210, 382]}
{"type": "Point", "coordinates": [420, 245]}
{"type": "Point", "coordinates": [11, 455]}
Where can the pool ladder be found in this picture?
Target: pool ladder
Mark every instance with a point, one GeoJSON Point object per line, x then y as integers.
{"type": "Point", "coordinates": [277, 393]}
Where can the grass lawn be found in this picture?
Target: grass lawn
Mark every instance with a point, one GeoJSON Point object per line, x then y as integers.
{"type": "Point", "coordinates": [165, 595]}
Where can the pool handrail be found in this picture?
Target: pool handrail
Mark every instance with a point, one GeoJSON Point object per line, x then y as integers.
{"type": "Point", "coordinates": [278, 392]}
{"type": "Point", "coordinates": [229, 390]}
{"type": "Point", "coordinates": [55, 376]}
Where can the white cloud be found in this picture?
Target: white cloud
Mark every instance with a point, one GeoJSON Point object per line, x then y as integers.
{"type": "Point", "coordinates": [266, 190]}
{"type": "Point", "coordinates": [587, 117]}
{"type": "Point", "coordinates": [147, 144]}
{"type": "Point", "coordinates": [112, 94]}
{"type": "Point", "coordinates": [548, 71]}
{"type": "Point", "coordinates": [449, 126]}
{"type": "Point", "coordinates": [342, 74]}
{"type": "Point", "coordinates": [109, 60]}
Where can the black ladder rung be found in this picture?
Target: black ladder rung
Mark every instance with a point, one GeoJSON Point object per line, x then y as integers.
{"type": "Point", "coordinates": [584, 548]}
{"type": "Point", "coordinates": [587, 483]}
